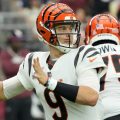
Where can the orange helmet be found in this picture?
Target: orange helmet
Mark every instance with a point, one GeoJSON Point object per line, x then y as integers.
{"type": "Point", "coordinates": [57, 14]}
{"type": "Point", "coordinates": [102, 28]}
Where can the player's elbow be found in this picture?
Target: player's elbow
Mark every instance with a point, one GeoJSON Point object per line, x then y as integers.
{"type": "Point", "coordinates": [87, 96]}
{"type": "Point", "coordinates": [93, 99]}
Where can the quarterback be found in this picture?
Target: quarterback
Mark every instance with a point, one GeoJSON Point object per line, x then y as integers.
{"type": "Point", "coordinates": [103, 32]}
{"type": "Point", "coordinates": [66, 79]}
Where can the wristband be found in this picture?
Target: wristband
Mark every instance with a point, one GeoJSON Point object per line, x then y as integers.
{"type": "Point", "coordinates": [51, 83]}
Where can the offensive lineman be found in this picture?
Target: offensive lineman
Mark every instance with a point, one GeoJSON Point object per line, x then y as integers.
{"type": "Point", "coordinates": [103, 32]}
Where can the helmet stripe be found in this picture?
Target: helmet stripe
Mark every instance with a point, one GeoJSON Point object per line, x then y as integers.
{"type": "Point", "coordinates": [62, 11]}
{"type": "Point", "coordinates": [46, 11]}
{"type": "Point", "coordinates": [52, 12]}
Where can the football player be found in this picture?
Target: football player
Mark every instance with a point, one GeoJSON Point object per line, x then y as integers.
{"type": "Point", "coordinates": [103, 32]}
{"type": "Point", "coordinates": [66, 79]}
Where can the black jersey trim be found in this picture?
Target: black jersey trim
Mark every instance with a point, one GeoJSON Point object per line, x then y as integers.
{"type": "Point", "coordinates": [95, 53]}
{"type": "Point", "coordinates": [23, 64]}
{"type": "Point", "coordinates": [30, 62]}
{"type": "Point", "coordinates": [77, 56]}
{"type": "Point", "coordinates": [87, 51]}
{"type": "Point", "coordinates": [104, 41]}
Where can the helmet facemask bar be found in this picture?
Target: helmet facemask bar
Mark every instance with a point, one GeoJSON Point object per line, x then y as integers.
{"type": "Point", "coordinates": [66, 33]}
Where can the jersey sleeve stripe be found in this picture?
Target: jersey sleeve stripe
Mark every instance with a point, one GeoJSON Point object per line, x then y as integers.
{"type": "Point", "coordinates": [95, 53]}
{"type": "Point", "coordinates": [30, 62]}
{"type": "Point", "coordinates": [23, 64]}
{"type": "Point", "coordinates": [77, 56]}
{"type": "Point", "coordinates": [87, 51]}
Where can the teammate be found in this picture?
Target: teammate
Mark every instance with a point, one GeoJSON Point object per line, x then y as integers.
{"type": "Point", "coordinates": [67, 81]}
{"type": "Point", "coordinates": [103, 32]}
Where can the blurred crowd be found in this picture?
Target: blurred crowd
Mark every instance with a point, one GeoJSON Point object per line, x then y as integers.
{"type": "Point", "coordinates": [18, 36]}
{"type": "Point", "coordinates": [27, 11]}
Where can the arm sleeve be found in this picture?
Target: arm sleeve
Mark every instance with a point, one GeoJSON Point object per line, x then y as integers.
{"type": "Point", "coordinates": [12, 87]}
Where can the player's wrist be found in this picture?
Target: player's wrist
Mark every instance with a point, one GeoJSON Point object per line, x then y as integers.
{"type": "Point", "coordinates": [67, 91]}
{"type": "Point", "coordinates": [51, 83]}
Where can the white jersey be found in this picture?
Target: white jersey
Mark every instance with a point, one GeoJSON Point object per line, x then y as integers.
{"type": "Point", "coordinates": [110, 82]}
{"type": "Point", "coordinates": [69, 68]}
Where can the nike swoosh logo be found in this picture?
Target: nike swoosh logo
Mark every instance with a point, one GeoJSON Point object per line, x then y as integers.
{"type": "Point", "coordinates": [92, 59]}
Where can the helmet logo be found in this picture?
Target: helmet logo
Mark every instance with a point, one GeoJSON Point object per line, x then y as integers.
{"type": "Point", "coordinates": [115, 30]}
{"type": "Point", "coordinates": [99, 26]}
{"type": "Point", "coordinates": [70, 18]}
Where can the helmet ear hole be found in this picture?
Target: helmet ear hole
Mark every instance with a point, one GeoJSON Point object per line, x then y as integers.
{"type": "Point", "coordinates": [53, 39]}
{"type": "Point", "coordinates": [42, 32]}
{"type": "Point", "coordinates": [47, 24]}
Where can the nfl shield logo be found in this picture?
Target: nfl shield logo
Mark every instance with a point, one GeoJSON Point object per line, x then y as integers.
{"type": "Point", "coordinates": [99, 26]}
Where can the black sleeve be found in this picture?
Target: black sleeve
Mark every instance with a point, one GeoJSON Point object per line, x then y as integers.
{"type": "Point", "coordinates": [67, 91]}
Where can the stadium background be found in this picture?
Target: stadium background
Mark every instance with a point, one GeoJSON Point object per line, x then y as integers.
{"type": "Point", "coordinates": [21, 15]}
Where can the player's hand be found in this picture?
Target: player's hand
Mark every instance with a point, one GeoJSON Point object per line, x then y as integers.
{"type": "Point", "coordinates": [39, 74]}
